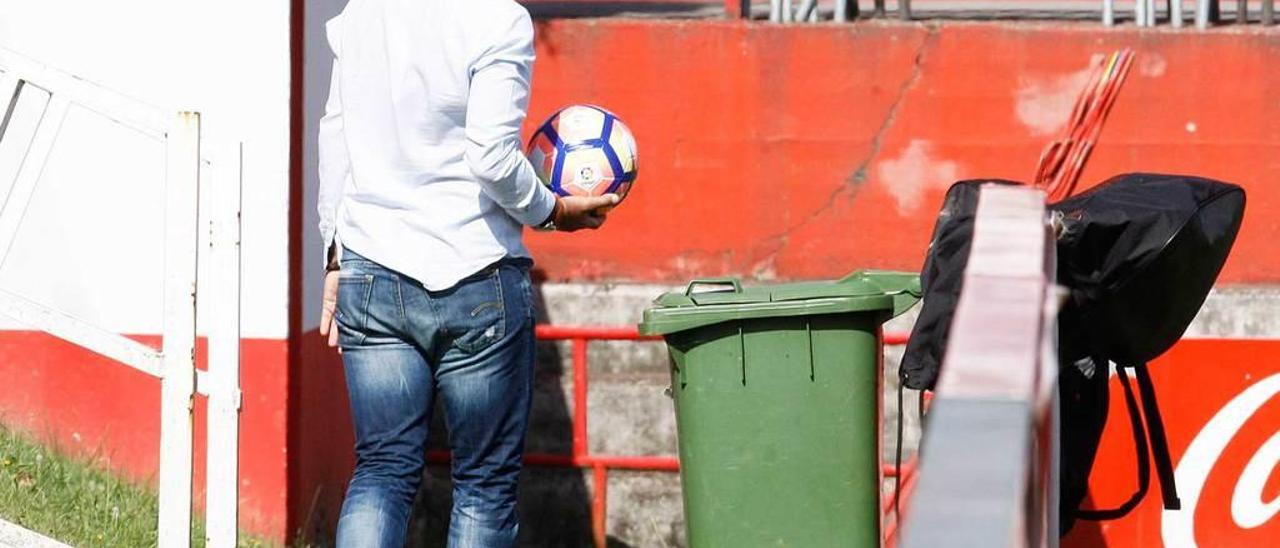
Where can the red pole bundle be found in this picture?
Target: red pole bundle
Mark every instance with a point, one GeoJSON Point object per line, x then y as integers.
{"type": "Point", "coordinates": [1063, 160]}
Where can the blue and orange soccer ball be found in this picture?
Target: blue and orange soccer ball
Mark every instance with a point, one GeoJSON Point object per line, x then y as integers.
{"type": "Point", "coordinates": [584, 150]}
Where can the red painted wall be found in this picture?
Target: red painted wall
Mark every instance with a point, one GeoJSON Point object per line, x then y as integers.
{"type": "Point", "coordinates": [809, 151]}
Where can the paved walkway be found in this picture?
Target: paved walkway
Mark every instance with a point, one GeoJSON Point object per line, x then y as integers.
{"type": "Point", "coordinates": [13, 536]}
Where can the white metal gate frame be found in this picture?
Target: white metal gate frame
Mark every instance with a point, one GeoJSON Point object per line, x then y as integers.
{"type": "Point", "coordinates": [175, 364]}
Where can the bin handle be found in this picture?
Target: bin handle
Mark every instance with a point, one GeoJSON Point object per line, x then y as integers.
{"type": "Point", "coordinates": [737, 286]}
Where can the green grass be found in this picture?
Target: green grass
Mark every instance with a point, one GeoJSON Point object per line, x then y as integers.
{"type": "Point", "coordinates": [75, 502]}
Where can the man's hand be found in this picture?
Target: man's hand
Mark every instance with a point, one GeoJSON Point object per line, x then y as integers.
{"type": "Point", "coordinates": [328, 308]}
{"type": "Point", "coordinates": [574, 213]}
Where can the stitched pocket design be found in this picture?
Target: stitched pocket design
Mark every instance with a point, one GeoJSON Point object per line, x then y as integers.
{"type": "Point", "coordinates": [479, 311]}
{"type": "Point", "coordinates": [353, 308]}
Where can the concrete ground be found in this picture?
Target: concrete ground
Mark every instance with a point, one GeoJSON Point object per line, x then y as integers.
{"type": "Point", "coordinates": [13, 536]}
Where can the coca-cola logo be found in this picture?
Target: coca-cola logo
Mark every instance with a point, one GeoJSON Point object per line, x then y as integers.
{"type": "Point", "coordinates": [1248, 509]}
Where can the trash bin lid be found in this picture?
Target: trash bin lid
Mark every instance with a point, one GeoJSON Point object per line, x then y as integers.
{"type": "Point", "coordinates": [709, 301]}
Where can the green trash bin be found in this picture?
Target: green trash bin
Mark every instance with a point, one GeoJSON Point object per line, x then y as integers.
{"type": "Point", "coordinates": [777, 406]}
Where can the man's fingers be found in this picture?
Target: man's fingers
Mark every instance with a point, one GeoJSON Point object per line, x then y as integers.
{"type": "Point", "coordinates": [326, 318]}
{"type": "Point", "coordinates": [603, 201]}
{"type": "Point", "coordinates": [333, 335]}
{"type": "Point", "coordinates": [586, 211]}
{"type": "Point", "coordinates": [328, 302]}
{"type": "Point", "coordinates": [592, 203]}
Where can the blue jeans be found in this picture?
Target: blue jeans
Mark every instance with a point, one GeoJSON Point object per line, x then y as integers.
{"type": "Point", "coordinates": [402, 346]}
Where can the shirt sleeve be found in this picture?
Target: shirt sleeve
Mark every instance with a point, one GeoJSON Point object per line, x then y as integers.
{"type": "Point", "coordinates": [496, 108]}
{"type": "Point", "coordinates": [335, 161]}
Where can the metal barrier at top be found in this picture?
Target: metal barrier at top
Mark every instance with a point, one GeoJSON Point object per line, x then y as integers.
{"type": "Point", "coordinates": [1206, 12]}
{"type": "Point", "coordinates": [1146, 13]}
{"type": "Point", "coordinates": [988, 465]}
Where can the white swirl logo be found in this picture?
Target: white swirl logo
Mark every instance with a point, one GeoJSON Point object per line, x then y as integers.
{"type": "Point", "coordinates": [1247, 507]}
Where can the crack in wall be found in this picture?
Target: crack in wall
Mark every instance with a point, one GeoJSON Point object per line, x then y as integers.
{"type": "Point", "coordinates": [854, 182]}
{"type": "Point", "coordinates": [877, 141]}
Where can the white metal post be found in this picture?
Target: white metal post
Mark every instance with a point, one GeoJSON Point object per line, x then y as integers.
{"type": "Point", "coordinates": [32, 165]}
{"type": "Point", "coordinates": [14, 141]}
{"type": "Point", "coordinates": [178, 383]}
{"type": "Point", "coordinates": [1202, 14]}
{"type": "Point", "coordinates": [223, 308]}
{"type": "Point", "coordinates": [1175, 13]}
{"type": "Point", "coordinates": [84, 334]}
{"type": "Point", "coordinates": [1140, 12]}
{"type": "Point", "coordinates": [1108, 12]}
{"type": "Point", "coordinates": [130, 112]}
{"type": "Point", "coordinates": [808, 11]}
{"type": "Point", "coordinates": [8, 92]}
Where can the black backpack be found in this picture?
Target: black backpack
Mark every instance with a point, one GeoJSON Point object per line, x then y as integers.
{"type": "Point", "coordinates": [1139, 254]}
{"type": "Point", "coordinates": [940, 280]}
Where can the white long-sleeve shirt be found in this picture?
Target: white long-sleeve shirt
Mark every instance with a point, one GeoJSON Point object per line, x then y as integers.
{"type": "Point", "coordinates": [421, 168]}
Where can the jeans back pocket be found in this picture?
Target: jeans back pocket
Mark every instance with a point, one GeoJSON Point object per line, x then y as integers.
{"type": "Point", "coordinates": [354, 291]}
{"type": "Point", "coordinates": [477, 313]}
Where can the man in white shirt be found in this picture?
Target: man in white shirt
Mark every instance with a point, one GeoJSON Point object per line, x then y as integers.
{"type": "Point", "coordinates": [424, 194]}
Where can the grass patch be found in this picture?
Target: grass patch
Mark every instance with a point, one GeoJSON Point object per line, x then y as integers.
{"type": "Point", "coordinates": [75, 502]}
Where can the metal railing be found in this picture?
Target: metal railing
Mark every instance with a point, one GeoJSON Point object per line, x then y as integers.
{"type": "Point", "coordinates": [47, 94]}
{"type": "Point", "coordinates": [1145, 12]}
{"type": "Point", "coordinates": [988, 470]}
{"type": "Point", "coordinates": [1206, 12]}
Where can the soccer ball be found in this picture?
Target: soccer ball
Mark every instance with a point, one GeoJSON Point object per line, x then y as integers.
{"type": "Point", "coordinates": [584, 150]}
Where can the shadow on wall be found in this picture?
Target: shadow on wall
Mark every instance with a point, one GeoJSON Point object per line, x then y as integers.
{"type": "Point", "coordinates": [1085, 533]}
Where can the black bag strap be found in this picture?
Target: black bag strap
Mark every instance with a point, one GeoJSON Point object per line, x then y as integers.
{"type": "Point", "coordinates": [1159, 443]}
{"type": "Point", "coordinates": [1154, 431]}
{"type": "Point", "coordinates": [1144, 459]}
